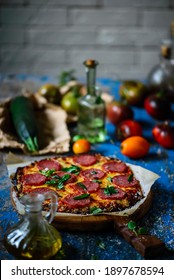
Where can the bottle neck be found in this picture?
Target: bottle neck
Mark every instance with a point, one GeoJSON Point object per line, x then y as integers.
{"type": "Point", "coordinates": [90, 76]}
{"type": "Point", "coordinates": [33, 212]}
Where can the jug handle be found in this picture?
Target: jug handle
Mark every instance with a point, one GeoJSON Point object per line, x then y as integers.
{"type": "Point", "coordinates": [53, 206]}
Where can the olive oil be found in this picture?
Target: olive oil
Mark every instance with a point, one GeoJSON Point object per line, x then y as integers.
{"type": "Point", "coordinates": [33, 237]}
{"type": "Point", "coordinates": [91, 108]}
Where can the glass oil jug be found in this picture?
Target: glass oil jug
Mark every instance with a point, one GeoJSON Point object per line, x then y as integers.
{"type": "Point", "coordinates": [33, 237]}
{"type": "Point", "coordinates": [91, 108]}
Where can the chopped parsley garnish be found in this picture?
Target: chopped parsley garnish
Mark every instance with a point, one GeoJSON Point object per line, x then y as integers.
{"type": "Point", "coordinates": [72, 169]}
{"type": "Point", "coordinates": [109, 179]}
{"type": "Point", "coordinates": [82, 196]}
{"type": "Point", "coordinates": [47, 172]}
{"type": "Point", "coordinates": [109, 190]}
{"type": "Point", "coordinates": [130, 178]}
{"type": "Point", "coordinates": [95, 210]}
{"type": "Point", "coordinates": [82, 186]}
{"type": "Point", "coordinates": [93, 172]}
{"type": "Point", "coordinates": [96, 181]}
{"type": "Point", "coordinates": [58, 182]}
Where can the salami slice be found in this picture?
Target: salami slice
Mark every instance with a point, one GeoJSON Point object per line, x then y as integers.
{"type": "Point", "coordinates": [76, 188]}
{"type": "Point", "coordinates": [85, 160]}
{"type": "Point", "coordinates": [91, 186]}
{"type": "Point", "coordinates": [71, 202]}
{"type": "Point", "coordinates": [40, 190]}
{"type": "Point", "coordinates": [34, 179]}
{"type": "Point", "coordinates": [93, 173]}
{"type": "Point", "coordinates": [48, 163]}
{"type": "Point", "coordinates": [119, 194]}
{"type": "Point", "coordinates": [125, 180]}
{"type": "Point", "coordinates": [115, 166]}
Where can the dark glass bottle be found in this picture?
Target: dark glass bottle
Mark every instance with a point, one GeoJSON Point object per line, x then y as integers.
{"type": "Point", "coordinates": [91, 108]}
{"type": "Point", "coordinates": [33, 237]}
{"type": "Point", "coordinates": [161, 77]}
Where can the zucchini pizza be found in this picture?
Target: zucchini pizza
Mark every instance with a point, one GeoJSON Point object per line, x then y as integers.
{"type": "Point", "coordinates": [84, 184]}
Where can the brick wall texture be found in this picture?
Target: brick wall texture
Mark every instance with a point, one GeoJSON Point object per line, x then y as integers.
{"type": "Point", "coordinates": [46, 37]}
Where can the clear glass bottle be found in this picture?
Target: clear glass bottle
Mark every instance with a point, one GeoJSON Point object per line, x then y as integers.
{"type": "Point", "coordinates": [33, 237]}
{"type": "Point", "coordinates": [91, 108]}
{"type": "Point", "coordinates": [161, 77]}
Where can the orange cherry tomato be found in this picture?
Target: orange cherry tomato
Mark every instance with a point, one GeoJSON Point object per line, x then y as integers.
{"type": "Point", "coordinates": [81, 146]}
{"type": "Point", "coordinates": [135, 147]}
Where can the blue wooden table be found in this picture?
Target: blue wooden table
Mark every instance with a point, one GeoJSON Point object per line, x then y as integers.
{"type": "Point", "coordinates": [107, 245]}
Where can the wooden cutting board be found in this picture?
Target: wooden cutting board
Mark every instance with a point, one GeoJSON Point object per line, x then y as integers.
{"type": "Point", "coordinates": [148, 246]}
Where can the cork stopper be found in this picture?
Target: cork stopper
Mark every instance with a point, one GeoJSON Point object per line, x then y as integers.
{"type": "Point", "coordinates": [166, 49]}
{"type": "Point", "coordinates": [90, 63]}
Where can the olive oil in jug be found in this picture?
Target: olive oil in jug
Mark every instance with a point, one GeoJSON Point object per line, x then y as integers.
{"type": "Point", "coordinates": [33, 237]}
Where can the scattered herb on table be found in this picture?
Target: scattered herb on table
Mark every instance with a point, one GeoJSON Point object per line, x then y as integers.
{"type": "Point", "coordinates": [101, 244]}
{"type": "Point", "coordinates": [94, 257]}
{"type": "Point", "coordinates": [132, 225]}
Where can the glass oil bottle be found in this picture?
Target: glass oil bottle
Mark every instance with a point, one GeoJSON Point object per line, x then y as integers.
{"type": "Point", "coordinates": [33, 237]}
{"type": "Point", "coordinates": [161, 77]}
{"type": "Point", "coordinates": [91, 108]}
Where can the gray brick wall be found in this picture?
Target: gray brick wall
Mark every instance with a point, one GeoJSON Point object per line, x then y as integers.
{"type": "Point", "coordinates": [50, 36]}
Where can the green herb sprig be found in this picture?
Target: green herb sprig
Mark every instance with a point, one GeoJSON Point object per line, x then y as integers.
{"type": "Point", "coordinates": [101, 244]}
{"type": "Point", "coordinates": [58, 182]}
{"type": "Point", "coordinates": [109, 190]}
{"type": "Point", "coordinates": [82, 185]}
{"type": "Point", "coordinates": [95, 210]}
{"type": "Point", "coordinates": [48, 172]}
{"type": "Point", "coordinates": [130, 178]}
{"type": "Point", "coordinates": [72, 169]}
{"type": "Point", "coordinates": [132, 225]}
{"type": "Point", "coordinates": [82, 196]}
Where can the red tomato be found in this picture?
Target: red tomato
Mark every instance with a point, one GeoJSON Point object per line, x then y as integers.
{"type": "Point", "coordinates": [117, 111]}
{"type": "Point", "coordinates": [157, 106]}
{"type": "Point", "coordinates": [128, 128]}
{"type": "Point", "coordinates": [164, 134]}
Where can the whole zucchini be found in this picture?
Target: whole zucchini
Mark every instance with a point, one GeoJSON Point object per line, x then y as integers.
{"type": "Point", "coordinates": [22, 113]}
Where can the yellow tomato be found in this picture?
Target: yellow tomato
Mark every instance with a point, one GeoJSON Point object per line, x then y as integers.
{"type": "Point", "coordinates": [135, 147]}
{"type": "Point", "coordinates": [81, 146]}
